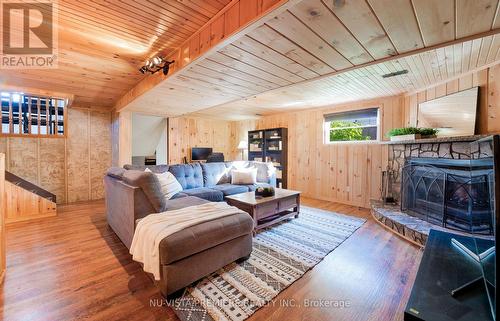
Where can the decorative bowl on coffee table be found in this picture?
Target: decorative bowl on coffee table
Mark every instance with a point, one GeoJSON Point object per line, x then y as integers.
{"type": "Point", "coordinates": [264, 191]}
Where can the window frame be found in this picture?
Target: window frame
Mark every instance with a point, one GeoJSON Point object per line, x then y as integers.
{"type": "Point", "coordinates": [327, 129]}
{"type": "Point", "coordinates": [55, 103]}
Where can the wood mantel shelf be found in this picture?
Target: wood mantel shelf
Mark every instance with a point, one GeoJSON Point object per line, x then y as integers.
{"type": "Point", "coordinates": [437, 140]}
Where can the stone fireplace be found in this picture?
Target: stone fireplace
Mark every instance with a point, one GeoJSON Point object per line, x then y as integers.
{"type": "Point", "coordinates": [440, 183]}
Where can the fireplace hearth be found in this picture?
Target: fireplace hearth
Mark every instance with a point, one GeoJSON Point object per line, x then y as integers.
{"type": "Point", "coordinates": [452, 193]}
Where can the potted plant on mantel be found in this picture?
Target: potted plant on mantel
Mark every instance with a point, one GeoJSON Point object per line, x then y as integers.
{"type": "Point", "coordinates": [411, 133]}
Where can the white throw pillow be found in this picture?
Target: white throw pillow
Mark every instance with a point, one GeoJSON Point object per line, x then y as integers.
{"type": "Point", "coordinates": [169, 185]}
{"type": "Point", "coordinates": [244, 176]}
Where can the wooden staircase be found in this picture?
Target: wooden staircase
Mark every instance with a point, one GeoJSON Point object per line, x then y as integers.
{"type": "Point", "coordinates": [26, 201]}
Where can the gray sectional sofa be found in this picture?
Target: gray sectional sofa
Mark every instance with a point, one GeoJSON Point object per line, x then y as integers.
{"type": "Point", "coordinates": [188, 255]}
{"type": "Point", "coordinates": [208, 181]}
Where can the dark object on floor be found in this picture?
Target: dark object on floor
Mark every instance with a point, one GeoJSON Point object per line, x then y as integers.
{"type": "Point", "coordinates": [389, 200]}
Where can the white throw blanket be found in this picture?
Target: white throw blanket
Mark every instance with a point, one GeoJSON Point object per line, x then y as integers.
{"type": "Point", "coordinates": [155, 227]}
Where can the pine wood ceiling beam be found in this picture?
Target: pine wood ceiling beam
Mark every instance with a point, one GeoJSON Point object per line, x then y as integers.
{"type": "Point", "coordinates": [151, 81]}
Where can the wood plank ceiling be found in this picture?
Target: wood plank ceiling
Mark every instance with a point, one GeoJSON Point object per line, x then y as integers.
{"type": "Point", "coordinates": [424, 69]}
{"type": "Point", "coordinates": [103, 43]}
{"type": "Point", "coordinates": [321, 52]}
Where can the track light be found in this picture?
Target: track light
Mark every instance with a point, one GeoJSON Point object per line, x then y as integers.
{"type": "Point", "coordinates": [156, 64]}
{"type": "Point", "coordinates": [157, 61]}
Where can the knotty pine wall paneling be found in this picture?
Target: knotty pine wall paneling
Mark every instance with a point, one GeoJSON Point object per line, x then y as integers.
{"type": "Point", "coordinates": [187, 132]}
{"type": "Point", "coordinates": [22, 205]}
{"type": "Point", "coordinates": [72, 168]}
{"type": "Point", "coordinates": [494, 99]}
{"type": "Point", "coordinates": [348, 173]}
{"type": "Point", "coordinates": [124, 138]}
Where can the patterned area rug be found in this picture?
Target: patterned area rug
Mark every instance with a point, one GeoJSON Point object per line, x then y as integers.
{"type": "Point", "coordinates": [281, 255]}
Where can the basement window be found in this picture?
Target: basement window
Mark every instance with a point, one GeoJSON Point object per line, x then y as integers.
{"type": "Point", "coordinates": [352, 126]}
{"type": "Point", "coordinates": [27, 115]}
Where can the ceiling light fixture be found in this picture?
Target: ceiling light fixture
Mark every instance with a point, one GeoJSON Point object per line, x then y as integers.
{"type": "Point", "coordinates": [396, 73]}
{"type": "Point", "coordinates": [156, 64]}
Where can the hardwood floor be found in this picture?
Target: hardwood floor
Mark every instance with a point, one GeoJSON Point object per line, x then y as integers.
{"type": "Point", "coordinates": [73, 267]}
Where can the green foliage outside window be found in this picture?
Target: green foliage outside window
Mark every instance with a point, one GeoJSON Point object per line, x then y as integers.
{"type": "Point", "coordinates": [354, 131]}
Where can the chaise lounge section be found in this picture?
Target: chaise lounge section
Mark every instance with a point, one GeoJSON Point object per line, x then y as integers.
{"type": "Point", "coordinates": [195, 252]}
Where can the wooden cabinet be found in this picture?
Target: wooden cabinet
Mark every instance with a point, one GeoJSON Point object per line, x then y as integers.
{"type": "Point", "coordinates": [271, 145]}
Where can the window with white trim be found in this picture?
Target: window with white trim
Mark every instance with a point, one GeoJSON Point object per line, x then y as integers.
{"type": "Point", "coordinates": [352, 126]}
{"type": "Point", "coordinates": [24, 114]}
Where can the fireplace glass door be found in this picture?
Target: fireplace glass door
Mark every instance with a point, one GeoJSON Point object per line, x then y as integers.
{"type": "Point", "coordinates": [455, 194]}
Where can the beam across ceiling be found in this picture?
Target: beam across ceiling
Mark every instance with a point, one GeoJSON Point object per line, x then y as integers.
{"type": "Point", "coordinates": [322, 48]}
{"type": "Point", "coordinates": [233, 21]}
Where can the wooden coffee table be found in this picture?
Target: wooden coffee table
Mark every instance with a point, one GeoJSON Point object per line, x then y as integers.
{"type": "Point", "coordinates": [266, 211]}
